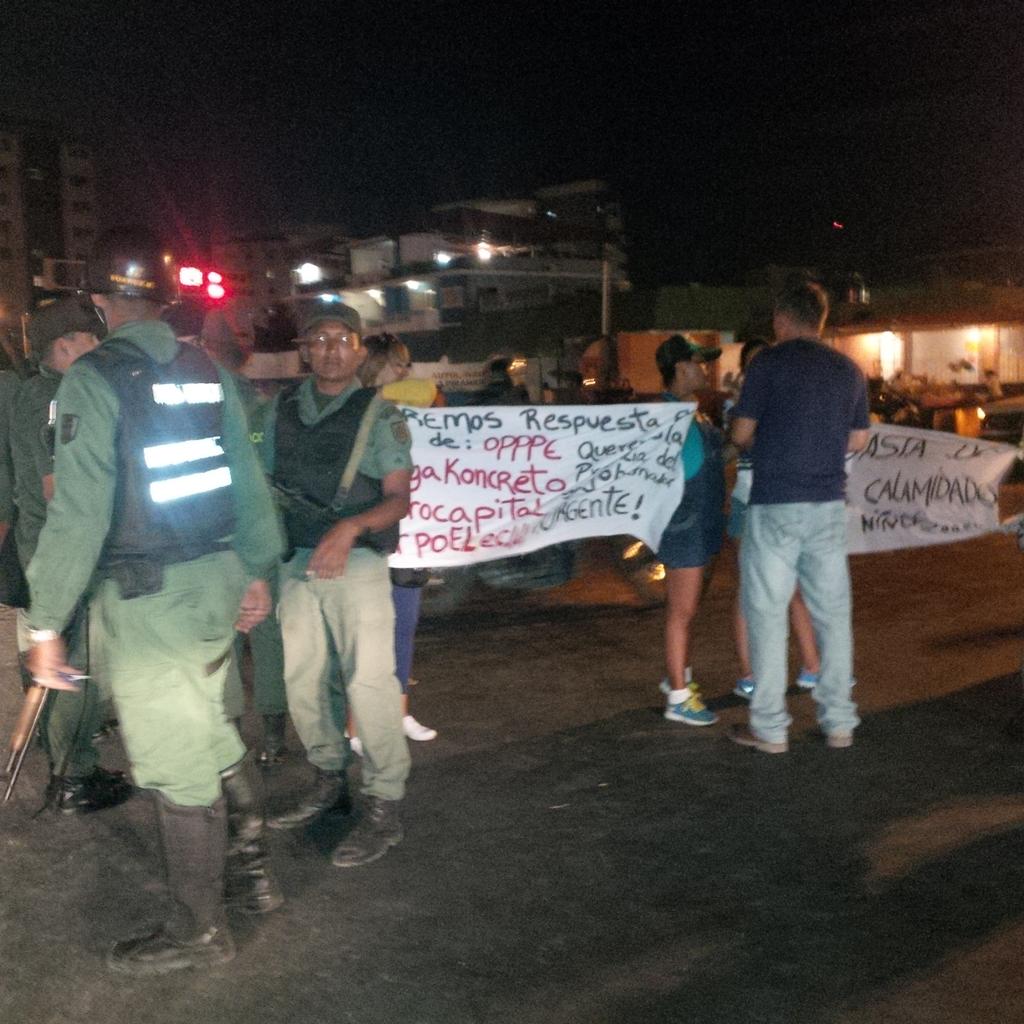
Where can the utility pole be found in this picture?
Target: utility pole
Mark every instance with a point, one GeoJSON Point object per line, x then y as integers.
{"type": "Point", "coordinates": [606, 292]}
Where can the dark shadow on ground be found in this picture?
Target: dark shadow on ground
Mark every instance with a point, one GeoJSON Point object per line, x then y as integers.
{"type": "Point", "coordinates": [626, 870]}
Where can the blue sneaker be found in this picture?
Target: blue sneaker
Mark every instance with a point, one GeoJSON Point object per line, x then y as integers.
{"type": "Point", "coordinates": [691, 711]}
{"type": "Point", "coordinates": [745, 688]}
{"type": "Point", "coordinates": [807, 680]}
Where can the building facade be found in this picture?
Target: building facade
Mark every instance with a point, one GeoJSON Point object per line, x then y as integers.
{"type": "Point", "coordinates": [470, 280]}
{"type": "Point", "coordinates": [48, 216]}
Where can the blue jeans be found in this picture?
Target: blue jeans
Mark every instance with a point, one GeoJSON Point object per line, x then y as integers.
{"type": "Point", "coordinates": [801, 542]}
{"type": "Point", "coordinates": [407, 617]}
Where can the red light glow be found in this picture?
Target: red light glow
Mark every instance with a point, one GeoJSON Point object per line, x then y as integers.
{"type": "Point", "coordinates": [215, 291]}
{"type": "Point", "coordinates": [214, 278]}
{"type": "Point", "coordinates": [838, 225]}
{"type": "Point", "coordinates": [190, 277]}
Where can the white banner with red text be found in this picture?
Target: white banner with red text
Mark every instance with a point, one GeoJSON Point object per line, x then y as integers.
{"type": "Point", "coordinates": [910, 488]}
{"type": "Point", "coordinates": [490, 482]}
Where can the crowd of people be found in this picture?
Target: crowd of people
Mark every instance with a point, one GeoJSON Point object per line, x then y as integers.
{"type": "Point", "coordinates": [802, 408]}
{"type": "Point", "coordinates": [162, 513]}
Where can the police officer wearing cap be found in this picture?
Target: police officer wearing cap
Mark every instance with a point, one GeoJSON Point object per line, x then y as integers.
{"type": "Point", "coordinates": [58, 334]}
{"type": "Point", "coordinates": [161, 505]}
{"type": "Point", "coordinates": [339, 457]}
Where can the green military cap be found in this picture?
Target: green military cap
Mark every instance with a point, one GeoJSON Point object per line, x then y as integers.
{"type": "Point", "coordinates": [323, 312]}
{"type": "Point", "coordinates": [56, 317]}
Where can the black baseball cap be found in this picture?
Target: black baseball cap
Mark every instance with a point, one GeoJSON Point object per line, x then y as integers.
{"type": "Point", "coordinates": [679, 349]}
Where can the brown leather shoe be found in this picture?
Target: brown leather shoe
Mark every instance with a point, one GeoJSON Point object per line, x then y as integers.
{"type": "Point", "coordinates": [742, 735]}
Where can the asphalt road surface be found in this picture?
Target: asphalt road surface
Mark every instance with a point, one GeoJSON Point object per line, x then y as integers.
{"type": "Point", "coordinates": [572, 857]}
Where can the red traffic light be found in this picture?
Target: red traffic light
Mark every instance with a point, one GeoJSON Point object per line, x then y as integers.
{"type": "Point", "coordinates": [207, 283]}
{"type": "Point", "coordinates": [214, 287]}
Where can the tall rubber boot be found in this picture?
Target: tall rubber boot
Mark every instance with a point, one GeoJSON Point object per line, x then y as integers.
{"type": "Point", "coordinates": [196, 934]}
{"type": "Point", "coordinates": [249, 884]}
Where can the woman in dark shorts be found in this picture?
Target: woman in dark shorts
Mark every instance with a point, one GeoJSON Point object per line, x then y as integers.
{"type": "Point", "coordinates": [694, 534]}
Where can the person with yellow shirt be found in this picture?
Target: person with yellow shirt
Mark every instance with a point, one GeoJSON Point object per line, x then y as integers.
{"type": "Point", "coordinates": [386, 368]}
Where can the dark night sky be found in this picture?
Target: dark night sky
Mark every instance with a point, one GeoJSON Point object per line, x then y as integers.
{"type": "Point", "coordinates": [734, 133]}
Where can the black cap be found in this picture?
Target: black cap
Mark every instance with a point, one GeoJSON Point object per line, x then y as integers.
{"type": "Point", "coordinates": [57, 317]}
{"type": "Point", "coordinates": [678, 349]}
{"type": "Point", "coordinates": [185, 317]}
{"type": "Point", "coordinates": [129, 261]}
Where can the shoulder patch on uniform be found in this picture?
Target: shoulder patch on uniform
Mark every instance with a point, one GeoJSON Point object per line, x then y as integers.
{"type": "Point", "coordinates": [400, 431]}
{"type": "Point", "coordinates": [68, 428]}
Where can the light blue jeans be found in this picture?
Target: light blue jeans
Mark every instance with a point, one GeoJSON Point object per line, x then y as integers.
{"type": "Point", "coordinates": [801, 542]}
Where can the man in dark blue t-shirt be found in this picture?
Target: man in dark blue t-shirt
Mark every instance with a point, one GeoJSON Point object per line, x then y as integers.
{"type": "Point", "coordinates": [802, 409]}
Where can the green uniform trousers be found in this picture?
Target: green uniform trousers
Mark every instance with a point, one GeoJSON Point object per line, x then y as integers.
{"type": "Point", "coordinates": [70, 720]}
{"type": "Point", "coordinates": [165, 656]}
{"type": "Point", "coordinates": [346, 623]}
{"type": "Point", "coordinates": [267, 650]}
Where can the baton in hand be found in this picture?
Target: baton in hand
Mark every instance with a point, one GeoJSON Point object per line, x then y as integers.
{"type": "Point", "coordinates": [24, 730]}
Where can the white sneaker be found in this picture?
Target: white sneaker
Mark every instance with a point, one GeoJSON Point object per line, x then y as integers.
{"type": "Point", "coordinates": [356, 744]}
{"type": "Point", "coordinates": [415, 731]}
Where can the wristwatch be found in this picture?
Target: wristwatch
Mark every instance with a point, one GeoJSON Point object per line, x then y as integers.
{"type": "Point", "coordinates": [42, 636]}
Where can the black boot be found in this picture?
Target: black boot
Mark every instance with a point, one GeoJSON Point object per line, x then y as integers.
{"type": "Point", "coordinates": [272, 753]}
{"type": "Point", "coordinates": [248, 883]}
{"type": "Point", "coordinates": [330, 793]}
{"type": "Point", "coordinates": [83, 794]}
{"type": "Point", "coordinates": [378, 830]}
{"type": "Point", "coordinates": [196, 935]}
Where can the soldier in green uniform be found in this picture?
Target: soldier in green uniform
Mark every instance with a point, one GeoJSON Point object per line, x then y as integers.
{"type": "Point", "coordinates": [161, 504]}
{"type": "Point", "coordinates": [208, 330]}
{"type": "Point", "coordinates": [339, 458]}
{"type": "Point", "coordinates": [8, 556]}
{"type": "Point", "coordinates": [59, 333]}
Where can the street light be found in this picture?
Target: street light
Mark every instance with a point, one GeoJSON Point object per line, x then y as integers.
{"type": "Point", "coordinates": [309, 273]}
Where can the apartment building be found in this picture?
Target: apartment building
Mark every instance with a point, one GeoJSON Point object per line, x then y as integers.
{"type": "Point", "coordinates": [48, 217]}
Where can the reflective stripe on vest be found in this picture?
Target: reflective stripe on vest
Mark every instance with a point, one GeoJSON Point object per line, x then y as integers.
{"type": "Point", "coordinates": [173, 500]}
{"type": "Point", "coordinates": [187, 394]}
{"type": "Point", "coordinates": [175, 487]}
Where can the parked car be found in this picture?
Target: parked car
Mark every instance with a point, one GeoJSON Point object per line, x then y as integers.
{"type": "Point", "coordinates": [1002, 420]}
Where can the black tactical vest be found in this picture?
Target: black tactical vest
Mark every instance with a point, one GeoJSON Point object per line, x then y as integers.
{"type": "Point", "coordinates": [308, 465]}
{"type": "Point", "coordinates": [173, 499]}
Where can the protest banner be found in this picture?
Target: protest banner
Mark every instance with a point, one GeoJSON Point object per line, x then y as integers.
{"type": "Point", "coordinates": [910, 488]}
{"type": "Point", "coordinates": [490, 482]}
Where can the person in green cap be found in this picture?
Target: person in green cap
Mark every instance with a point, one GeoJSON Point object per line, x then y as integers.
{"type": "Point", "coordinates": [161, 507]}
{"type": "Point", "coordinates": [339, 459]}
{"type": "Point", "coordinates": [58, 334]}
